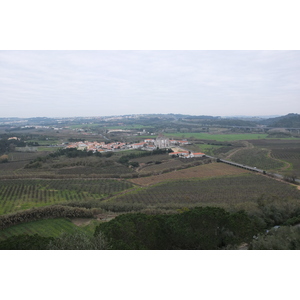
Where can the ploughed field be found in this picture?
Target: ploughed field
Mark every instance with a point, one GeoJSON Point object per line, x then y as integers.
{"type": "Point", "coordinates": [22, 194]}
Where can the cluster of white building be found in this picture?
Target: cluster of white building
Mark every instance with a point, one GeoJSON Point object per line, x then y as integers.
{"type": "Point", "coordinates": [147, 144]}
{"type": "Point", "coordinates": [96, 146]}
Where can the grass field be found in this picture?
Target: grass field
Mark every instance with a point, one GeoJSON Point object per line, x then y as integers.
{"type": "Point", "coordinates": [47, 149]}
{"type": "Point", "coordinates": [221, 137]}
{"type": "Point", "coordinates": [128, 127]}
{"type": "Point", "coordinates": [207, 149]}
{"type": "Point", "coordinates": [47, 228]}
{"type": "Point", "coordinates": [202, 171]}
{"type": "Point", "coordinates": [22, 194]}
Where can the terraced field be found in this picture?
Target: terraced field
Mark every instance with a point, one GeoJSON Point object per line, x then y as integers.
{"type": "Point", "coordinates": [202, 171]}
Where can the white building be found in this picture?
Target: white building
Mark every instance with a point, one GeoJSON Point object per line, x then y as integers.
{"type": "Point", "coordinates": [162, 142]}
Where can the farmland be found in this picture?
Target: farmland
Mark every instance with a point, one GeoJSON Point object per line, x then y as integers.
{"type": "Point", "coordinates": [129, 180]}
{"type": "Point", "coordinates": [286, 152]}
{"type": "Point", "coordinates": [22, 194]}
{"type": "Point", "coordinates": [256, 157]}
{"type": "Point", "coordinates": [238, 191]}
{"type": "Point", "coordinates": [39, 164]}
{"type": "Point", "coordinates": [157, 168]}
{"type": "Point", "coordinates": [219, 137]}
{"type": "Point", "coordinates": [202, 171]}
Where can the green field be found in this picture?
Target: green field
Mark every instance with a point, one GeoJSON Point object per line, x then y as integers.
{"type": "Point", "coordinates": [47, 149]}
{"type": "Point", "coordinates": [205, 148]}
{"type": "Point", "coordinates": [220, 137]}
{"type": "Point", "coordinates": [129, 127]}
{"type": "Point", "coordinates": [47, 228]}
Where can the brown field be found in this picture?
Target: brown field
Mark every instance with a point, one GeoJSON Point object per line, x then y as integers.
{"type": "Point", "coordinates": [202, 171]}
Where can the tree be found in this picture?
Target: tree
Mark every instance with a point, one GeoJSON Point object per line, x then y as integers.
{"type": "Point", "coordinates": [25, 242]}
{"type": "Point", "coordinates": [291, 177]}
{"type": "Point", "coordinates": [3, 158]}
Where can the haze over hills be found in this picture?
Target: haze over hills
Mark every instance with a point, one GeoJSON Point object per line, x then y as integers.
{"type": "Point", "coordinates": [291, 120]}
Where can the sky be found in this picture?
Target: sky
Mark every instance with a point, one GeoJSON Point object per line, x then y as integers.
{"type": "Point", "coordinates": [115, 82]}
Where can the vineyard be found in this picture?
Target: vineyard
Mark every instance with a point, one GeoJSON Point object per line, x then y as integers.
{"type": "Point", "coordinates": [240, 191]}
{"type": "Point", "coordinates": [22, 194]}
{"type": "Point", "coordinates": [289, 155]}
{"type": "Point", "coordinates": [256, 157]}
{"type": "Point", "coordinates": [53, 228]}
{"type": "Point", "coordinates": [202, 171]}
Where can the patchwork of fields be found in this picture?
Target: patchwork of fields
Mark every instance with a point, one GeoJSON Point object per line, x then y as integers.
{"type": "Point", "coordinates": [203, 171]}
{"type": "Point", "coordinates": [159, 181]}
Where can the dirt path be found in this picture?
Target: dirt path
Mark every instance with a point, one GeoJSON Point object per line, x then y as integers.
{"type": "Point", "coordinates": [287, 164]}
{"type": "Point", "coordinates": [122, 192]}
{"type": "Point", "coordinates": [247, 146]}
{"type": "Point", "coordinates": [81, 221]}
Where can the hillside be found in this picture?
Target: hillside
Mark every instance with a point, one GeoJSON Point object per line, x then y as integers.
{"type": "Point", "coordinates": [288, 121]}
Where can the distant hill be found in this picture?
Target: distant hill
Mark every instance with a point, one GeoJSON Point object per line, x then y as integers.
{"type": "Point", "coordinates": [288, 121]}
{"type": "Point", "coordinates": [207, 120]}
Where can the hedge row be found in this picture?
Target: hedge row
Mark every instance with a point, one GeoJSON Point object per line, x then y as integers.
{"type": "Point", "coordinates": [55, 211]}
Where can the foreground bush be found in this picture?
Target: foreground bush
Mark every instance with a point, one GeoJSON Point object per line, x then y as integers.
{"type": "Point", "coordinates": [283, 238]}
{"type": "Point", "coordinates": [207, 228]}
{"type": "Point", "coordinates": [26, 242]}
{"type": "Point", "coordinates": [66, 241]}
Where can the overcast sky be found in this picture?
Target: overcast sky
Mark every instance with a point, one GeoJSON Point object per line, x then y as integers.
{"type": "Point", "coordinates": [102, 83]}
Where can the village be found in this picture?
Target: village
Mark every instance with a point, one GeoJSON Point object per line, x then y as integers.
{"type": "Point", "coordinates": [160, 142]}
